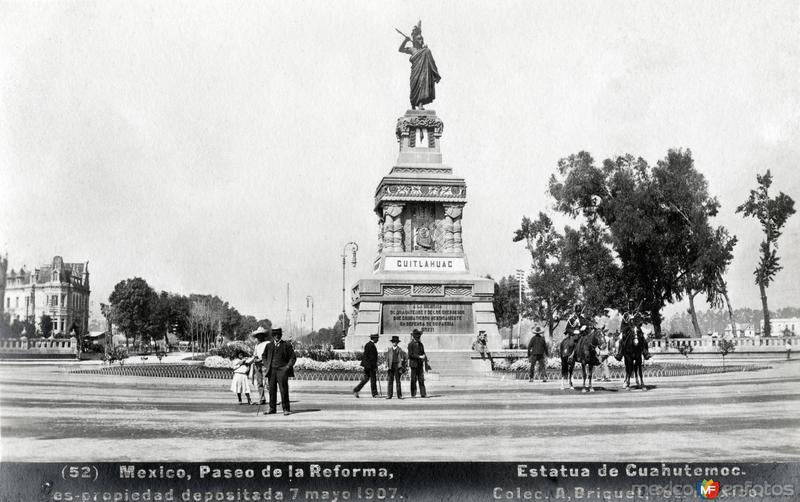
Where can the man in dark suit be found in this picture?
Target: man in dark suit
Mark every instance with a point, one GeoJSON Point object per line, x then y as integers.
{"type": "Point", "coordinates": [369, 361]}
{"type": "Point", "coordinates": [537, 353]}
{"type": "Point", "coordinates": [417, 361]}
{"type": "Point", "coordinates": [396, 363]}
{"type": "Point", "coordinates": [278, 361]}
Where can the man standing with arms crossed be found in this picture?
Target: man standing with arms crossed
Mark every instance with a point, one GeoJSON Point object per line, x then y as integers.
{"type": "Point", "coordinates": [417, 361]}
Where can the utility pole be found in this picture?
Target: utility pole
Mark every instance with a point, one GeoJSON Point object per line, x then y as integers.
{"type": "Point", "coordinates": [310, 303]}
{"type": "Point", "coordinates": [288, 321]}
{"type": "Point", "coordinates": [520, 278]}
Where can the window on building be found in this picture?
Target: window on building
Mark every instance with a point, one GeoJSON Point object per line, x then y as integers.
{"type": "Point", "coordinates": [8, 302]}
{"type": "Point", "coordinates": [54, 300]}
{"type": "Point", "coordinates": [18, 302]}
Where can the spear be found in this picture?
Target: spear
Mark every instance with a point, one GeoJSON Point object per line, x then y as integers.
{"type": "Point", "coordinates": [400, 32]}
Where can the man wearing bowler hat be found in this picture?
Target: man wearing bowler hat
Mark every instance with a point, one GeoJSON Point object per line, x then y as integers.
{"type": "Point", "coordinates": [396, 363]}
{"type": "Point", "coordinates": [278, 361]}
{"type": "Point", "coordinates": [417, 361]}
{"type": "Point", "coordinates": [369, 361]}
{"type": "Point", "coordinates": [259, 372]}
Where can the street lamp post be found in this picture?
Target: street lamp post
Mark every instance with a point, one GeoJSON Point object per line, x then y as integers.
{"type": "Point", "coordinates": [310, 303]}
{"type": "Point", "coordinates": [354, 248]}
{"type": "Point", "coordinates": [520, 278]}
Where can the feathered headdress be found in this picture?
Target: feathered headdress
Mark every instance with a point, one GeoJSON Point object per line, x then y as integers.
{"type": "Point", "coordinates": [417, 29]}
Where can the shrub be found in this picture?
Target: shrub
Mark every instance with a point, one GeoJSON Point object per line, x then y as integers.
{"type": "Point", "coordinates": [229, 350]}
{"type": "Point", "coordinates": [217, 362]}
{"type": "Point", "coordinates": [308, 364]}
{"type": "Point", "coordinates": [118, 354]}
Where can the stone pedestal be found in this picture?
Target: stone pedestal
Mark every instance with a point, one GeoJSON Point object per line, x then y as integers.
{"type": "Point", "coordinates": [421, 276]}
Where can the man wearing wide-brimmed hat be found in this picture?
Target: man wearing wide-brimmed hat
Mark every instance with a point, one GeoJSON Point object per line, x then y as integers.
{"type": "Point", "coordinates": [278, 360]}
{"type": "Point", "coordinates": [418, 361]}
{"type": "Point", "coordinates": [537, 353]}
{"type": "Point", "coordinates": [369, 361]}
{"type": "Point", "coordinates": [258, 374]}
{"type": "Point", "coordinates": [396, 363]}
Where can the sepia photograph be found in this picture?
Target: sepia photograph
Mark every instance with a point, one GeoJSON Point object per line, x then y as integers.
{"type": "Point", "coordinates": [399, 251]}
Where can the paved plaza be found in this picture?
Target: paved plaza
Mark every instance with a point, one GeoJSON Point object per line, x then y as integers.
{"type": "Point", "coordinates": [48, 414]}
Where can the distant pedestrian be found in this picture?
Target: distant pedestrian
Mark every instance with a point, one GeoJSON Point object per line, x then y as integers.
{"type": "Point", "coordinates": [396, 365]}
{"type": "Point", "coordinates": [788, 350]}
{"type": "Point", "coordinates": [240, 385]}
{"type": "Point", "coordinates": [418, 362]}
{"type": "Point", "coordinates": [369, 361]}
{"type": "Point", "coordinates": [258, 371]}
{"type": "Point", "coordinates": [537, 354]}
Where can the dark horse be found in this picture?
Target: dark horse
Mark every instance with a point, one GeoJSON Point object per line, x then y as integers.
{"type": "Point", "coordinates": [566, 352]}
{"type": "Point", "coordinates": [586, 354]}
{"type": "Point", "coordinates": [632, 349]}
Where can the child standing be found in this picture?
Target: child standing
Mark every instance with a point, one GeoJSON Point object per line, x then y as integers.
{"type": "Point", "coordinates": [241, 367]}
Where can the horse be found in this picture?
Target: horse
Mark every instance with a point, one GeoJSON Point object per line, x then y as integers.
{"type": "Point", "coordinates": [586, 354]}
{"type": "Point", "coordinates": [632, 350]}
{"type": "Point", "coordinates": [566, 353]}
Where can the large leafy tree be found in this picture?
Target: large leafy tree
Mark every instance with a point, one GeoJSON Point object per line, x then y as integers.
{"type": "Point", "coordinates": [552, 287]}
{"type": "Point", "coordinates": [772, 214]}
{"type": "Point", "coordinates": [133, 303]}
{"type": "Point", "coordinates": [622, 196]}
{"type": "Point", "coordinates": [702, 253]}
{"type": "Point", "coordinates": [587, 254]}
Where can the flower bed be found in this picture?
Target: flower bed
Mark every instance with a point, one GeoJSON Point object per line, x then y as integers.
{"type": "Point", "coordinates": [201, 371]}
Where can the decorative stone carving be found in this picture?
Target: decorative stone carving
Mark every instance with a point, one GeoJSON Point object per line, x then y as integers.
{"type": "Point", "coordinates": [458, 291]}
{"type": "Point", "coordinates": [427, 191]}
{"type": "Point", "coordinates": [405, 125]}
{"type": "Point", "coordinates": [397, 290]}
{"type": "Point", "coordinates": [428, 289]}
{"type": "Point", "coordinates": [392, 227]}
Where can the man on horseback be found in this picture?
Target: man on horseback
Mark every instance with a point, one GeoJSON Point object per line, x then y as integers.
{"type": "Point", "coordinates": [576, 321]}
{"type": "Point", "coordinates": [632, 326]}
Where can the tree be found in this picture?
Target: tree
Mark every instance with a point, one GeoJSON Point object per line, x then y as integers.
{"type": "Point", "coordinates": [627, 198]}
{"type": "Point", "coordinates": [701, 252]}
{"type": "Point", "coordinates": [725, 347]}
{"type": "Point", "coordinates": [132, 304]}
{"type": "Point", "coordinates": [338, 326]}
{"type": "Point", "coordinates": [506, 301]}
{"type": "Point", "coordinates": [772, 214]}
{"type": "Point", "coordinates": [552, 289]}
{"type": "Point", "coordinates": [587, 254]}
{"type": "Point", "coordinates": [46, 324]}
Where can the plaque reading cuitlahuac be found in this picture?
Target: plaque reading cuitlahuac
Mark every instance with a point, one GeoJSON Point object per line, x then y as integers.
{"type": "Point", "coordinates": [436, 318]}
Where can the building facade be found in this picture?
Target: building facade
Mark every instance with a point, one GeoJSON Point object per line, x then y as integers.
{"type": "Point", "coordinates": [788, 326]}
{"type": "Point", "coordinates": [59, 290]}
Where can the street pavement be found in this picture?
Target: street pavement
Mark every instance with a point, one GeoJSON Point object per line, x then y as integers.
{"type": "Point", "coordinates": [49, 414]}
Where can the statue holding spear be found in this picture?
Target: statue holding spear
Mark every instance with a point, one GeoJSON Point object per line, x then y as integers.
{"type": "Point", "coordinates": [424, 74]}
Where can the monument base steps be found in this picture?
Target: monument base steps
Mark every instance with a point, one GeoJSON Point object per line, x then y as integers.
{"type": "Point", "coordinates": [457, 364]}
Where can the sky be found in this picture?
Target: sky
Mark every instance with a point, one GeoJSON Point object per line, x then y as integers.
{"type": "Point", "coordinates": [232, 148]}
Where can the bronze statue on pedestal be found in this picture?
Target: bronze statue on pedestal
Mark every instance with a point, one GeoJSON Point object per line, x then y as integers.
{"type": "Point", "coordinates": [424, 74]}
